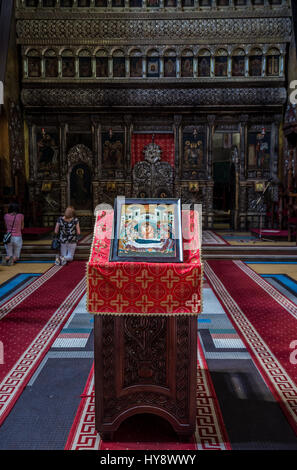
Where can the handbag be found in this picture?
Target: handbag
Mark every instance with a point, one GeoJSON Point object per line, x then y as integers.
{"type": "Point", "coordinates": [8, 235]}
{"type": "Point", "coordinates": [55, 244]}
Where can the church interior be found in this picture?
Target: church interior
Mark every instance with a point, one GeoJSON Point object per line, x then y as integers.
{"type": "Point", "coordinates": [170, 100]}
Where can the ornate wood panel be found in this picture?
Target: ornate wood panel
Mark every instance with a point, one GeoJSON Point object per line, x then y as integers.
{"type": "Point", "coordinates": [145, 365]}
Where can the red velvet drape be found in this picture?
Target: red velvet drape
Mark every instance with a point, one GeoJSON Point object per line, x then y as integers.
{"type": "Point", "coordinates": [165, 141]}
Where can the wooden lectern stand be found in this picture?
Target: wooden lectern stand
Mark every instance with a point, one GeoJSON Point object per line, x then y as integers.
{"type": "Point", "coordinates": [145, 326]}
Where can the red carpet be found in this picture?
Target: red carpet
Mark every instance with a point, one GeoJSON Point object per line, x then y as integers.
{"type": "Point", "coordinates": [149, 432]}
{"type": "Point", "coordinates": [30, 323]}
{"type": "Point", "coordinates": [266, 321]}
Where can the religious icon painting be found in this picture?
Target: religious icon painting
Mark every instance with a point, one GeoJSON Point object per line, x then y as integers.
{"type": "Point", "coordinates": [113, 150]}
{"type": "Point", "coordinates": [255, 64]}
{"type": "Point", "coordinates": [204, 66]}
{"type": "Point", "coordinates": [147, 230]}
{"type": "Point", "coordinates": [169, 67]}
{"type": "Point", "coordinates": [118, 3]}
{"type": "Point", "coordinates": [188, 3]}
{"type": "Point", "coordinates": [34, 67]}
{"type": "Point", "coordinates": [170, 3]}
{"type": "Point", "coordinates": [80, 187]}
{"type": "Point", "coordinates": [85, 67]}
{"type": "Point", "coordinates": [259, 151]}
{"type": "Point", "coordinates": [119, 67]}
{"type": "Point", "coordinates": [66, 3]}
{"type": "Point", "coordinates": [51, 66]}
{"type": "Point", "coordinates": [153, 3]}
{"type": "Point", "coordinates": [68, 67]}
{"type": "Point", "coordinates": [153, 69]}
{"type": "Point", "coordinates": [221, 66]}
{"type": "Point", "coordinates": [187, 66]}
{"type": "Point", "coordinates": [238, 66]}
{"type": "Point", "coordinates": [136, 66]}
{"type": "Point", "coordinates": [101, 67]}
{"type": "Point", "coordinates": [47, 149]}
{"type": "Point", "coordinates": [48, 3]}
{"type": "Point", "coordinates": [193, 149]}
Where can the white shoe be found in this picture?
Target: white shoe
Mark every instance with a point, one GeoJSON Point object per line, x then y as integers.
{"type": "Point", "coordinates": [57, 261]}
{"type": "Point", "coordinates": [63, 261]}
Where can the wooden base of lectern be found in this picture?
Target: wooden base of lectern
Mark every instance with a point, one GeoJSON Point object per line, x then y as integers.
{"type": "Point", "coordinates": [145, 364]}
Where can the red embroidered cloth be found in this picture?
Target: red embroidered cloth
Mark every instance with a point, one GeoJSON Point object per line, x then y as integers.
{"type": "Point", "coordinates": [139, 141]}
{"type": "Point", "coordinates": [141, 288]}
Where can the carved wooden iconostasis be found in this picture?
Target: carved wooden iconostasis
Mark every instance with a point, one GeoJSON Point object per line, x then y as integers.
{"type": "Point", "coordinates": [84, 161]}
{"type": "Point", "coordinates": [102, 77]}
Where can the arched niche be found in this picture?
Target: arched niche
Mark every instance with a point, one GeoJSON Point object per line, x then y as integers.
{"type": "Point", "coordinates": [255, 62]}
{"type": "Point", "coordinates": [50, 63]}
{"type": "Point", "coordinates": [68, 63]}
{"type": "Point", "coordinates": [136, 63]}
{"type": "Point", "coordinates": [204, 63]}
{"type": "Point", "coordinates": [101, 63]}
{"type": "Point", "coordinates": [85, 63]}
{"type": "Point", "coordinates": [34, 63]}
{"type": "Point", "coordinates": [187, 58]}
{"type": "Point", "coordinates": [221, 63]}
{"type": "Point", "coordinates": [238, 62]}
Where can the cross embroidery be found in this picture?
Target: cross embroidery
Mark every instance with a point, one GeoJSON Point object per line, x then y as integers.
{"type": "Point", "coordinates": [144, 303]}
{"type": "Point", "coordinates": [193, 277]}
{"type": "Point", "coordinates": [169, 279]}
{"type": "Point", "coordinates": [94, 303]}
{"type": "Point", "coordinates": [169, 303]}
{"type": "Point", "coordinates": [194, 303]}
{"type": "Point", "coordinates": [144, 279]}
{"type": "Point", "coordinates": [119, 278]}
{"type": "Point", "coordinates": [119, 302]}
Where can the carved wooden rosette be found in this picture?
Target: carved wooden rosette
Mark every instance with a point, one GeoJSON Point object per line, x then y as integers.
{"type": "Point", "coordinates": [152, 177]}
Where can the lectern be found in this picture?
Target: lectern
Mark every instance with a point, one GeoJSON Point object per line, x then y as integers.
{"type": "Point", "coordinates": [145, 335]}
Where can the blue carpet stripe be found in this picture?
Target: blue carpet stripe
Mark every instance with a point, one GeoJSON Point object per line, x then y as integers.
{"type": "Point", "coordinates": [60, 355]}
{"type": "Point", "coordinates": [284, 280]}
{"type": "Point", "coordinates": [37, 261]}
{"type": "Point", "coordinates": [16, 291]}
{"type": "Point", "coordinates": [15, 282]}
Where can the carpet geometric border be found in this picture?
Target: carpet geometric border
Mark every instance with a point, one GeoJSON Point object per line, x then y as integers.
{"type": "Point", "coordinates": [17, 378]}
{"type": "Point", "coordinates": [17, 299]}
{"type": "Point", "coordinates": [276, 377]}
{"type": "Point", "coordinates": [210, 431]}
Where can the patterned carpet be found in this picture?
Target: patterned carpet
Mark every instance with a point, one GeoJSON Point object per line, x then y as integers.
{"type": "Point", "coordinates": [30, 321]}
{"type": "Point", "coordinates": [55, 409]}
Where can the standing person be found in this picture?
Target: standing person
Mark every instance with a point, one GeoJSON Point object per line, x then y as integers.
{"type": "Point", "coordinates": [14, 222]}
{"type": "Point", "coordinates": [67, 228]}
